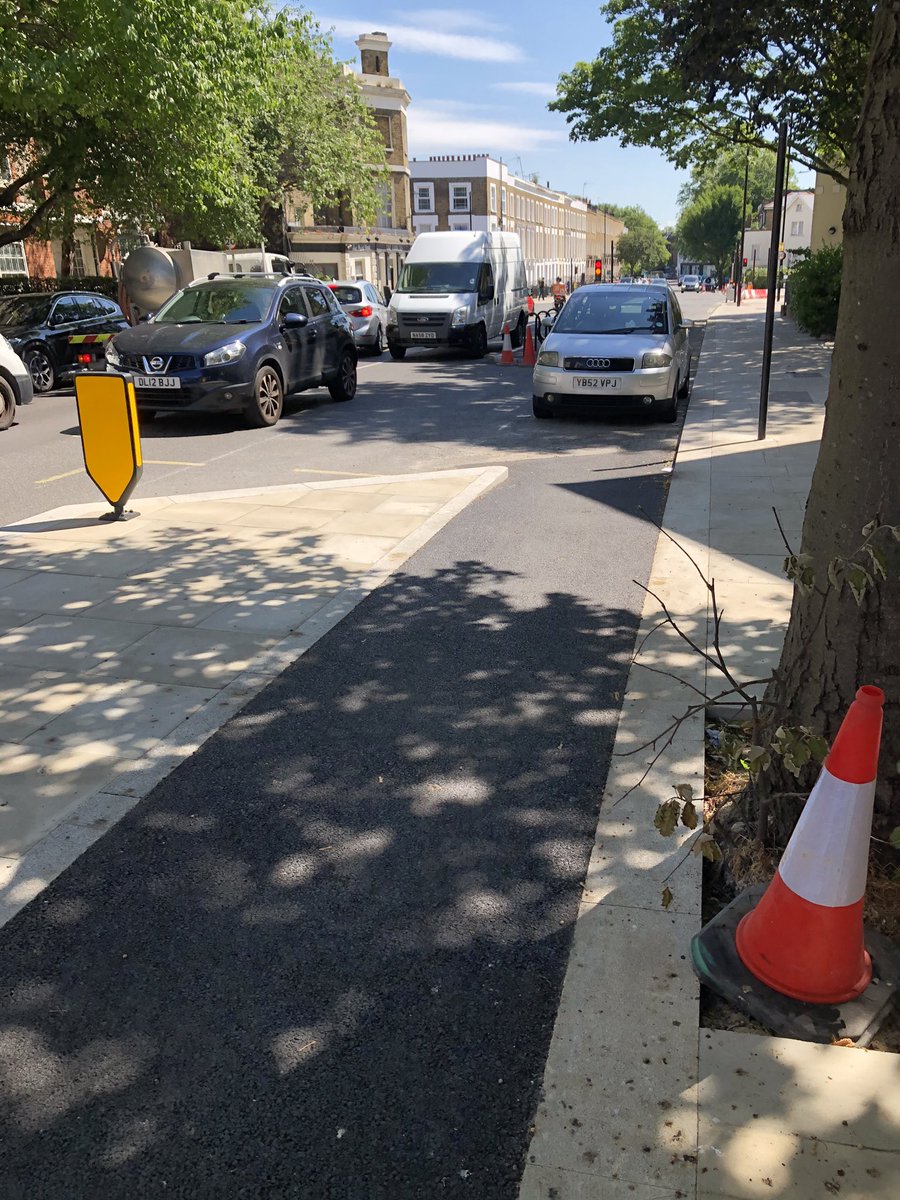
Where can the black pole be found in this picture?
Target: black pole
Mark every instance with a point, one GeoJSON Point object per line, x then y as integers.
{"type": "Point", "coordinates": [740, 274]}
{"type": "Point", "coordinates": [770, 294]}
{"type": "Point", "coordinates": [787, 196]}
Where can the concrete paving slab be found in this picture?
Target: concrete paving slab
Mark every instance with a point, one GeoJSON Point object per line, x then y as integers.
{"type": "Point", "coordinates": [69, 643]}
{"type": "Point", "coordinates": [153, 604]}
{"type": "Point", "coordinates": [551, 1183]}
{"type": "Point", "coordinates": [287, 517]}
{"type": "Point", "coordinates": [195, 657]}
{"type": "Point", "coordinates": [375, 524]}
{"type": "Point", "coordinates": [340, 500]}
{"type": "Point", "coordinates": [356, 547]}
{"type": "Point", "coordinates": [266, 612]}
{"type": "Point", "coordinates": [11, 575]}
{"type": "Point", "coordinates": [56, 592]}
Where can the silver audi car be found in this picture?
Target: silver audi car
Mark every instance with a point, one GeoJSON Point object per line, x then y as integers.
{"type": "Point", "coordinates": [615, 347]}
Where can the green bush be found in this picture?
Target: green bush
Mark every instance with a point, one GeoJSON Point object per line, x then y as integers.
{"type": "Point", "coordinates": [815, 291]}
{"type": "Point", "coordinates": [19, 285]}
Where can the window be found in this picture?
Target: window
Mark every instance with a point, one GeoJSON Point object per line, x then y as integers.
{"type": "Point", "coordinates": [796, 228]}
{"type": "Point", "coordinates": [385, 218]}
{"type": "Point", "coordinates": [424, 227]}
{"type": "Point", "coordinates": [318, 302]}
{"type": "Point", "coordinates": [64, 311]}
{"type": "Point", "coordinates": [493, 197]}
{"type": "Point", "coordinates": [78, 259]}
{"type": "Point", "coordinates": [458, 226]}
{"type": "Point", "coordinates": [291, 302]}
{"type": "Point", "coordinates": [424, 197]}
{"type": "Point", "coordinates": [89, 308]}
{"type": "Point", "coordinates": [12, 259]}
{"type": "Point", "coordinates": [298, 216]}
{"type": "Point", "coordinates": [459, 197]}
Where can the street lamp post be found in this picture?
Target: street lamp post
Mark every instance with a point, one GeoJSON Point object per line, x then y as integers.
{"type": "Point", "coordinates": [770, 294]}
{"type": "Point", "coordinates": [740, 262]}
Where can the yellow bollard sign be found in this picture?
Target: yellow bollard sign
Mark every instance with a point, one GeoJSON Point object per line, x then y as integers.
{"type": "Point", "coordinates": [110, 441]}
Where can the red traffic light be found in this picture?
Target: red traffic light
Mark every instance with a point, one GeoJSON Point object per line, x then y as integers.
{"type": "Point", "coordinates": [745, 262]}
{"type": "Point", "coordinates": [598, 268]}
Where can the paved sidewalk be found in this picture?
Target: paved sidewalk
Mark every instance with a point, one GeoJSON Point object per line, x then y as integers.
{"type": "Point", "coordinates": [124, 646]}
{"type": "Point", "coordinates": [638, 1102]}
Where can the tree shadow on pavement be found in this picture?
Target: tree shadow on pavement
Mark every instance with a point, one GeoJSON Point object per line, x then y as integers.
{"type": "Point", "coordinates": [323, 957]}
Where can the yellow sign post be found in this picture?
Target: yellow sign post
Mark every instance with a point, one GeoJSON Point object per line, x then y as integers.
{"type": "Point", "coordinates": [110, 440]}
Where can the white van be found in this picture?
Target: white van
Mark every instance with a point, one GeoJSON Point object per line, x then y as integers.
{"type": "Point", "coordinates": [459, 289]}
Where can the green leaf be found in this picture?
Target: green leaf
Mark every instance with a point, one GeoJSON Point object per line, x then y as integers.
{"type": "Point", "coordinates": [707, 847]}
{"type": "Point", "coordinates": [666, 897]}
{"type": "Point", "coordinates": [859, 580]}
{"type": "Point", "coordinates": [894, 839]}
{"type": "Point", "coordinates": [689, 816]}
{"type": "Point", "coordinates": [879, 560]}
{"type": "Point", "coordinates": [666, 818]}
{"type": "Point", "coordinates": [818, 747]}
{"type": "Point", "coordinates": [755, 759]}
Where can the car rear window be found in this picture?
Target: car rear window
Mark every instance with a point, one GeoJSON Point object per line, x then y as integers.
{"type": "Point", "coordinates": [347, 295]}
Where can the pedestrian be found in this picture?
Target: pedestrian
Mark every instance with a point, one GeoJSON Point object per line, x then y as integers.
{"type": "Point", "coordinates": [542, 288]}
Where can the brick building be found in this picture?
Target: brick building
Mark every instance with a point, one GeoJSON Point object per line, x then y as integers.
{"type": "Point", "coordinates": [326, 241]}
{"type": "Point", "coordinates": [561, 235]}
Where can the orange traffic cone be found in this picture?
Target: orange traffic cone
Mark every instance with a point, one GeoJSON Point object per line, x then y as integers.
{"type": "Point", "coordinates": [506, 354]}
{"type": "Point", "coordinates": [530, 305]}
{"type": "Point", "coordinates": [528, 358]}
{"type": "Point", "coordinates": [805, 937]}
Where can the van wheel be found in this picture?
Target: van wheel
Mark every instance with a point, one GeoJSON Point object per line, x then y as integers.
{"type": "Point", "coordinates": [518, 334]}
{"type": "Point", "coordinates": [398, 353]}
{"type": "Point", "coordinates": [7, 404]}
{"type": "Point", "coordinates": [268, 399]}
{"type": "Point", "coordinates": [479, 342]}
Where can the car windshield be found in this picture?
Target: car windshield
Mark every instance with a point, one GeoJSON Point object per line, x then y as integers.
{"type": "Point", "coordinates": [439, 277]}
{"type": "Point", "coordinates": [231, 302]}
{"type": "Point", "coordinates": [346, 295]}
{"type": "Point", "coordinates": [595, 312]}
{"type": "Point", "coordinates": [692, 279]}
{"type": "Point", "coordinates": [24, 310]}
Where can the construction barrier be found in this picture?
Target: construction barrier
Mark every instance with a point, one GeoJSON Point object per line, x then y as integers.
{"type": "Point", "coordinates": [528, 355]}
{"type": "Point", "coordinates": [110, 440]}
{"type": "Point", "coordinates": [506, 355]}
{"type": "Point", "coordinates": [805, 937]}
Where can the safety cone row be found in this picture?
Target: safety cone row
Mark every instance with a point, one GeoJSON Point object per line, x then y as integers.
{"type": "Point", "coordinates": [805, 937]}
{"type": "Point", "coordinates": [506, 355]}
{"type": "Point", "coordinates": [528, 355]}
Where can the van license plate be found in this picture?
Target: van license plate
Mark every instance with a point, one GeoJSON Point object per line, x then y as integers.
{"type": "Point", "coordinates": [424, 337]}
{"type": "Point", "coordinates": [596, 383]}
{"type": "Point", "coordinates": [157, 381]}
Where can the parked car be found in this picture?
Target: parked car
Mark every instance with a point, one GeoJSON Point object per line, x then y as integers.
{"type": "Point", "coordinates": [38, 326]}
{"type": "Point", "coordinates": [690, 283]}
{"type": "Point", "coordinates": [615, 348]}
{"type": "Point", "coordinates": [366, 308]}
{"type": "Point", "coordinates": [239, 343]}
{"type": "Point", "coordinates": [15, 384]}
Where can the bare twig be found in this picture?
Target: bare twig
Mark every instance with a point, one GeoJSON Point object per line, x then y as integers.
{"type": "Point", "coordinates": [781, 531]}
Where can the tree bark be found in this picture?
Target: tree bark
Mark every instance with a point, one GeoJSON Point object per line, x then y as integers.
{"type": "Point", "coordinates": [834, 645]}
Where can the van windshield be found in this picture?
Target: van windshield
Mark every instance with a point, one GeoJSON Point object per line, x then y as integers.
{"type": "Point", "coordinates": [439, 277]}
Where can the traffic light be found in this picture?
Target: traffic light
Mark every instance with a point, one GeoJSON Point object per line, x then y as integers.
{"type": "Point", "coordinates": [598, 268]}
{"type": "Point", "coordinates": [745, 262]}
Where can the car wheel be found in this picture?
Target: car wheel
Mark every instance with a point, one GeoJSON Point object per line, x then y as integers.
{"type": "Point", "coordinates": [268, 399]}
{"type": "Point", "coordinates": [479, 342]}
{"type": "Point", "coordinates": [667, 410]}
{"type": "Point", "coordinates": [43, 376]}
{"type": "Point", "coordinates": [378, 348]}
{"type": "Point", "coordinates": [343, 386]}
{"type": "Point", "coordinates": [7, 403]}
{"type": "Point", "coordinates": [398, 353]}
{"type": "Point", "coordinates": [540, 409]}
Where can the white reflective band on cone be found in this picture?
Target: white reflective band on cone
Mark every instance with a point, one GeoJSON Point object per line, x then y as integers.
{"type": "Point", "coordinates": [828, 854]}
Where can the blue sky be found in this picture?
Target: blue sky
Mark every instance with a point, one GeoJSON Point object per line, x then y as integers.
{"type": "Point", "coordinates": [480, 82]}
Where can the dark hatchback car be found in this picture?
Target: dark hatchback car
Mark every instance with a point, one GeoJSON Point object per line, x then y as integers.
{"type": "Point", "coordinates": [38, 326]}
{"type": "Point", "coordinates": [239, 343]}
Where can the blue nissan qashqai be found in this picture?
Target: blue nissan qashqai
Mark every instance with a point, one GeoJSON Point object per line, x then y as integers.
{"type": "Point", "coordinates": [239, 343]}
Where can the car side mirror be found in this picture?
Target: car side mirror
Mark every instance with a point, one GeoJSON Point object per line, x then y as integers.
{"type": "Point", "coordinates": [294, 320]}
{"type": "Point", "coordinates": [143, 318]}
{"type": "Point", "coordinates": [687, 323]}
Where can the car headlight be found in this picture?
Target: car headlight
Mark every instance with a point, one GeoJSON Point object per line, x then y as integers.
{"type": "Point", "coordinates": [548, 358]}
{"type": "Point", "coordinates": [656, 358]}
{"type": "Point", "coordinates": [392, 318]}
{"type": "Point", "coordinates": [459, 316]}
{"type": "Point", "coordinates": [225, 354]}
{"type": "Point", "coordinates": [112, 355]}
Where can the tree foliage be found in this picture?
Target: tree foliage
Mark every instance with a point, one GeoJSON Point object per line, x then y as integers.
{"type": "Point", "coordinates": [726, 169]}
{"type": "Point", "coordinates": [643, 247]}
{"type": "Point", "coordinates": [694, 77]}
{"type": "Point", "coordinates": [181, 113]}
{"type": "Point", "coordinates": [708, 228]}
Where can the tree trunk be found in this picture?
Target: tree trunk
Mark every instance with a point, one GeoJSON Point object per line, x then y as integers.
{"type": "Point", "coordinates": [834, 645]}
